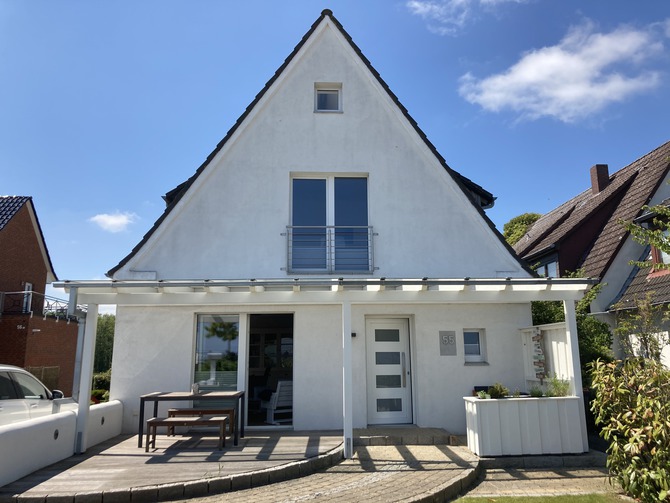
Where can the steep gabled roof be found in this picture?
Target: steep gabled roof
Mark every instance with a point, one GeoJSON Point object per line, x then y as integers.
{"type": "Point", "coordinates": [632, 186]}
{"type": "Point", "coordinates": [479, 197]}
{"type": "Point", "coordinates": [9, 207]}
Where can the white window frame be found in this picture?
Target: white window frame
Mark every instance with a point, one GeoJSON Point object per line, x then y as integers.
{"type": "Point", "coordinates": [328, 87]}
{"type": "Point", "coordinates": [476, 358]}
{"type": "Point", "coordinates": [330, 217]}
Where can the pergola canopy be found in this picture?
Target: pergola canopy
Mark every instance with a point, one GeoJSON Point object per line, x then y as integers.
{"type": "Point", "coordinates": [324, 291]}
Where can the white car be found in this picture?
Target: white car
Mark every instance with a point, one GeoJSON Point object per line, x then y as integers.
{"type": "Point", "coordinates": [23, 396]}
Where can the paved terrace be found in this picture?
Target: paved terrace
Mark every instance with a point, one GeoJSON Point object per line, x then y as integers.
{"type": "Point", "coordinates": [394, 464]}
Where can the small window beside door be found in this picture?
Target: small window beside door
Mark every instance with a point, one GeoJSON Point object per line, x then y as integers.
{"type": "Point", "coordinates": [474, 345]}
{"type": "Point", "coordinates": [327, 97]}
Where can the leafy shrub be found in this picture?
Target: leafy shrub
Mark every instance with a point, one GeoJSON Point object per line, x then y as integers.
{"type": "Point", "coordinates": [99, 395]}
{"type": "Point", "coordinates": [632, 405]}
{"type": "Point", "coordinates": [558, 386]}
{"type": "Point", "coordinates": [102, 380]}
{"type": "Point", "coordinates": [498, 391]}
{"type": "Point", "coordinates": [536, 392]}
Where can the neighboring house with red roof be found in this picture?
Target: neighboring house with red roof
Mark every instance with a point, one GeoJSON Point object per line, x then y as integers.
{"type": "Point", "coordinates": [586, 233]}
{"type": "Point", "coordinates": [326, 242]}
{"type": "Point", "coordinates": [35, 331]}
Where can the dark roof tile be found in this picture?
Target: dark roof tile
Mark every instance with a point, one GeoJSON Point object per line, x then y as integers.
{"type": "Point", "coordinates": [634, 185]}
{"type": "Point", "coordinates": [9, 206]}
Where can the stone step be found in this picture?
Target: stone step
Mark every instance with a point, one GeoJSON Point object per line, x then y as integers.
{"type": "Point", "coordinates": [395, 435]}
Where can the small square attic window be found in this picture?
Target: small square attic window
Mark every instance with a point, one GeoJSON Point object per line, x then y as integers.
{"type": "Point", "coordinates": [327, 97]}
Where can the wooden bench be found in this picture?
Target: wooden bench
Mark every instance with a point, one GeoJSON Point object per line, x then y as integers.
{"type": "Point", "coordinates": [204, 412]}
{"type": "Point", "coordinates": [171, 422]}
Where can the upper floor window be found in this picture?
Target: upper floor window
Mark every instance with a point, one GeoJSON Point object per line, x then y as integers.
{"type": "Point", "coordinates": [329, 231]}
{"type": "Point", "coordinates": [327, 97]}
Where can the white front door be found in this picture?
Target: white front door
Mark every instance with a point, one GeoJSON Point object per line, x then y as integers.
{"type": "Point", "coordinates": [388, 371]}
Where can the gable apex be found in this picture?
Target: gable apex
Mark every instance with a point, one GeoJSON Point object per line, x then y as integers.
{"type": "Point", "coordinates": [475, 194]}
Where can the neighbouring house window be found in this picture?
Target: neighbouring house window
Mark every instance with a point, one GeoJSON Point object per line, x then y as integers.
{"type": "Point", "coordinates": [216, 350]}
{"type": "Point", "coordinates": [327, 97]}
{"type": "Point", "coordinates": [27, 297]}
{"type": "Point", "coordinates": [473, 345]}
{"type": "Point", "coordinates": [548, 270]}
{"type": "Point", "coordinates": [658, 256]}
{"type": "Point", "coordinates": [329, 230]}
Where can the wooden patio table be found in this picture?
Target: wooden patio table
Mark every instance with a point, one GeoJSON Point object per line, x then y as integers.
{"type": "Point", "coordinates": [171, 396]}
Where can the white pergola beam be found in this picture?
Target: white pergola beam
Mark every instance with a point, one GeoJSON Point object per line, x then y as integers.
{"type": "Point", "coordinates": [300, 296]}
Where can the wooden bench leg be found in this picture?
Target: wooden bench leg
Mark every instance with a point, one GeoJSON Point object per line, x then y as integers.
{"type": "Point", "coordinates": [222, 435]}
{"type": "Point", "coordinates": [146, 446]}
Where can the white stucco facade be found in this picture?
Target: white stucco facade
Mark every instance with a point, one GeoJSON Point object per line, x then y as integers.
{"type": "Point", "coordinates": [154, 350]}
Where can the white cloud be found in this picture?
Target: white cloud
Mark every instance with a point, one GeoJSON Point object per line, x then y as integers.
{"type": "Point", "coordinates": [448, 17]}
{"type": "Point", "coordinates": [583, 74]}
{"type": "Point", "coordinates": [114, 222]}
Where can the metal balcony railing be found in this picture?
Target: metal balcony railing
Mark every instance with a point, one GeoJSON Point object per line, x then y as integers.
{"type": "Point", "coordinates": [330, 249]}
{"type": "Point", "coordinates": [33, 303]}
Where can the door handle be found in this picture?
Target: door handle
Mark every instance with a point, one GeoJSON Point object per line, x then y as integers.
{"type": "Point", "coordinates": [404, 372]}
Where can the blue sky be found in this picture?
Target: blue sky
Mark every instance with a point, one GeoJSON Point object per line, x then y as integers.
{"type": "Point", "coordinates": [106, 106]}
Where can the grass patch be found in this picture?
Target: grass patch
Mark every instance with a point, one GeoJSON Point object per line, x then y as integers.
{"type": "Point", "coordinates": [568, 498]}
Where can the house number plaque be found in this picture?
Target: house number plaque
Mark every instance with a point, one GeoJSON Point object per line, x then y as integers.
{"type": "Point", "coordinates": [447, 343]}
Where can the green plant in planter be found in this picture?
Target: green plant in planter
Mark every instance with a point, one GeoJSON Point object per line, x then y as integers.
{"type": "Point", "coordinates": [558, 386]}
{"type": "Point", "coordinates": [483, 395]}
{"type": "Point", "coordinates": [498, 391]}
{"type": "Point", "coordinates": [536, 392]}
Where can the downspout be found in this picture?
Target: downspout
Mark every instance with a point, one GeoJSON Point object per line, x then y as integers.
{"type": "Point", "coordinates": [347, 382]}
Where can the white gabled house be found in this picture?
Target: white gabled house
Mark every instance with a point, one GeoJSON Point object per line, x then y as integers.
{"type": "Point", "coordinates": [325, 242]}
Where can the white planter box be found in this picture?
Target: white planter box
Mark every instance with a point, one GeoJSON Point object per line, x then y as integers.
{"type": "Point", "coordinates": [517, 426]}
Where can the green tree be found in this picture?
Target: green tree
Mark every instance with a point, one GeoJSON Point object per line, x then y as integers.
{"type": "Point", "coordinates": [640, 331]}
{"type": "Point", "coordinates": [655, 234]}
{"type": "Point", "coordinates": [515, 229]}
{"type": "Point", "coordinates": [104, 343]}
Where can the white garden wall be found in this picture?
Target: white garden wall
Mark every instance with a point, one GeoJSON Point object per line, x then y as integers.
{"type": "Point", "coordinates": [40, 442]}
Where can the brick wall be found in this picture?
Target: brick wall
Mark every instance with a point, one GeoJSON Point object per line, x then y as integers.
{"type": "Point", "coordinates": [37, 342]}
{"type": "Point", "coordinates": [13, 339]}
{"type": "Point", "coordinates": [53, 343]}
{"type": "Point", "coordinates": [21, 260]}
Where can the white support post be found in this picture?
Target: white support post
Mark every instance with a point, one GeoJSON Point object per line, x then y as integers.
{"type": "Point", "coordinates": [347, 382]}
{"type": "Point", "coordinates": [575, 369]}
{"type": "Point", "coordinates": [85, 378]}
{"type": "Point", "coordinates": [81, 325]}
{"type": "Point", "coordinates": [243, 356]}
